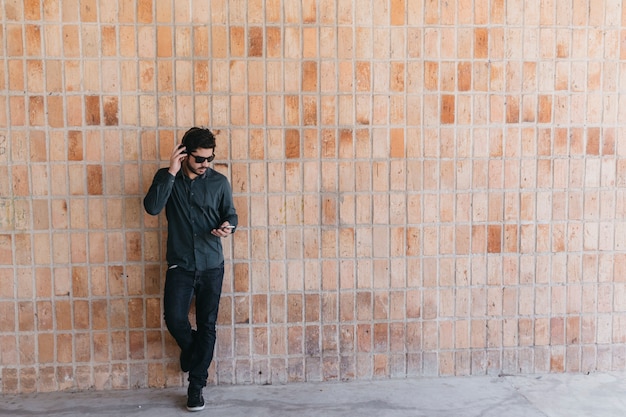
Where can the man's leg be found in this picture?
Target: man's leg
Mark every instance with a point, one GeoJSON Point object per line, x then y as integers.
{"type": "Point", "coordinates": [208, 292]}
{"type": "Point", "coordinates": [179, 291]}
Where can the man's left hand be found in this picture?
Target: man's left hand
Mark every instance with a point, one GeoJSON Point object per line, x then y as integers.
{"type": "Point", "coordinates": [223, 231]}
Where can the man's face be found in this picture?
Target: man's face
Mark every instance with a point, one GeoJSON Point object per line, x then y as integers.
{"type": "Point", "coordinates": [198, 161]}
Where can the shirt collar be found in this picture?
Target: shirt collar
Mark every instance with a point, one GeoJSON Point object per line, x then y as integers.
{"type": "Point", "coordinates": [203, 176]}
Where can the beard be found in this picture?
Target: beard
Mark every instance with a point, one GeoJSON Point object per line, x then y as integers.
{"type": "Point", "coordinates": [198, 172]}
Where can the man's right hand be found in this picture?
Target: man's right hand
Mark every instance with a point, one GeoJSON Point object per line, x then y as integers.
{"type": "Point", "coordinates": [176, 159]}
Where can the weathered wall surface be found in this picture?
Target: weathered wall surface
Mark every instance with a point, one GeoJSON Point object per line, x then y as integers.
{"type": "Point", "coordinates": [424, 187]}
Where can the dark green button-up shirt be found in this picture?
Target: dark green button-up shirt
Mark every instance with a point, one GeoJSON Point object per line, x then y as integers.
{"type": "Point", "coordinates": [193, 208]}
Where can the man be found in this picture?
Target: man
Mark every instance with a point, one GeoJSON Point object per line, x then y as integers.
{"type": "Point", "coordinates": [199, 209]}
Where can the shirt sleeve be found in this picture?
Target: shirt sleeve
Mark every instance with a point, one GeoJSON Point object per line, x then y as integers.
{"type": "Point", "coordinates": [227, 209]}
{"type": "Point", "coordinates": [159, 192]}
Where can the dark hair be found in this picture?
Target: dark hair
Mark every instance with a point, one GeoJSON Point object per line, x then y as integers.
{"type": "Point", "coordinates": [198, 137]}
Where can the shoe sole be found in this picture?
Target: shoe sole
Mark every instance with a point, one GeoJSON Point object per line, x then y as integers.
{"type": "Point", "coordinates": [197, 408]}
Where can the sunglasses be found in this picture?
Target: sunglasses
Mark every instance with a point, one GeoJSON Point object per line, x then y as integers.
{"type": "Point", "coordinates": [201, 159]}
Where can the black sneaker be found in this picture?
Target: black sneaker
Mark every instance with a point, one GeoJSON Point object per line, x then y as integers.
{"type": "Point", "coordinates": [195, 401]}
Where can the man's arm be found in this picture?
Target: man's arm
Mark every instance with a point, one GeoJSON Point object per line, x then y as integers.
{"type": "Point", "coordinates": [227, 209]}
{"type": "Point", "coordinates": [228, 214]}
{"type": "Point", "coordinates": [159, 192]}
{"type": "Point", "coordinates": [163, 182]}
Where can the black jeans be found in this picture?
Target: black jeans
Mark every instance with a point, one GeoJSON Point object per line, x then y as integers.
{"type": "Point", "coordinates": [180, 288]}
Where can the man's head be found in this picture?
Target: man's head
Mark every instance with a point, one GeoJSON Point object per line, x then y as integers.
{"type": "Point", "coordinates": [200, 149]}
{"type": "Point", "coordinates": [197, 137]}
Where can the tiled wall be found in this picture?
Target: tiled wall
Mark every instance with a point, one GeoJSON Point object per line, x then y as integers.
{"type": "Point", "coordinates": [424, 187]}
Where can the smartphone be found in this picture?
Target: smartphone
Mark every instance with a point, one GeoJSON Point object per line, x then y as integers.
{"type": "Point", "coordinates": [182, 146]}
{"type": "Point", "coordinates": [230, 226]}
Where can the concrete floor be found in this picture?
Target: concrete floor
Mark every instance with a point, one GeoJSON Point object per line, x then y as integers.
{"type": "Point", "coordinates": [553, 395]}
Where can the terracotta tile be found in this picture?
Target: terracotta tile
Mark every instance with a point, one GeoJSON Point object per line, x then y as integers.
{"type": "Point", "coordinates": [47, 379]}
